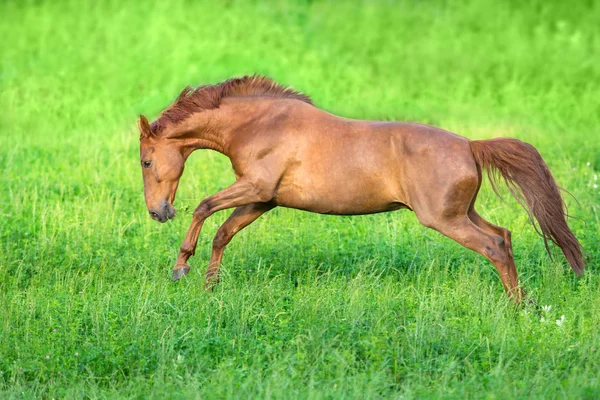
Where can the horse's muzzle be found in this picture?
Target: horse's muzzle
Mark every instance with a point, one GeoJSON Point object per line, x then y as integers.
{"type": "Point", "coordinates": [163, 213]}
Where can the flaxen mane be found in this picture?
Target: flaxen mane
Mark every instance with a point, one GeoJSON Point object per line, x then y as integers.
{"type": "Point", "coordinates": [209, 97]}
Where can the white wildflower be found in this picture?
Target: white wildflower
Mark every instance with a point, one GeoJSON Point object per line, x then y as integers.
{"type": "Point", "coordinates": [546, 309]}
{"type": "Point", "coordinates": [588, 164]}
{"type": "Point", "coordinates": [595, 186]}
{"type": "Point", "coordinates": [542, 319]}
{"type": "Point", "coordinates": [560, 321]}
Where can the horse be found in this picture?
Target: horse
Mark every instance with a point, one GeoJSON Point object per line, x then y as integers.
{"type": "Point", "coordinates": [286, 152]}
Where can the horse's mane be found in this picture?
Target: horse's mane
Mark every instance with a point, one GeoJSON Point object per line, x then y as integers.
{"type": "Point", "coordinates": [209, 97]}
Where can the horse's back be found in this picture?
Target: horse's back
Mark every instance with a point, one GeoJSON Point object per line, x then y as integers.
{"type": "Point", "coordinates": [343, 166]}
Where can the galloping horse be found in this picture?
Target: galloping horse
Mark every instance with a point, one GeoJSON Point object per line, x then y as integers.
{"type": "Point", "coordinates": [287, 152]}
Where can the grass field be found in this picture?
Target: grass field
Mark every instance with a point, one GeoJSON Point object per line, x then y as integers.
{"type": "Point", "coordinates": [309, 306]}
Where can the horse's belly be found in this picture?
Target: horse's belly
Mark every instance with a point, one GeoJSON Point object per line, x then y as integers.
{"type": "Point", "coordinates": [347, 197]}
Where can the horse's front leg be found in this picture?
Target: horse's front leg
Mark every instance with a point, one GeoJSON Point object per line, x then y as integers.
{"type": "Point", "coordinates": [238, 194]}
{"type": "Point", "coordinates": [238, 220]}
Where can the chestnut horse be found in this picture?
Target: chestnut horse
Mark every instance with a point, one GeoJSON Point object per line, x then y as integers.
{"type": "Point", "coordinates": [287, 152]}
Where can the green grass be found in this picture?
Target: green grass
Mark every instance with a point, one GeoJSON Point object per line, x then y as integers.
{"type": "Point", "coordinates": [309, 306]}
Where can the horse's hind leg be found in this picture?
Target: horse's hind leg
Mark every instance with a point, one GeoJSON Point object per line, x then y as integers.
{"type": "Point", "coordinates": [505, 233]}
{"type": "Point", "coordinates": [238, 220]}
{"type": "Point", "coordinates": [492, 246]}
{"type": "Point", "coordinates": [448, 212]}
{"type": "Point", "coordinates": [488, 226]}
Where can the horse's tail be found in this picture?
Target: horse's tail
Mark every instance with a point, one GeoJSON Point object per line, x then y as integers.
{"type": "Point", "coordinates": [530, 182]}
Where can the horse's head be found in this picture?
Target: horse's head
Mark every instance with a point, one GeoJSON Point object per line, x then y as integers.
{"type": "Point", "coordinates": [162, 165]}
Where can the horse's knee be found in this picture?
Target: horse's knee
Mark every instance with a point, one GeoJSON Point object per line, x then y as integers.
{"type": "Point", "coordinates": [221, 239]}
{"type": "Point", "coordinates": [202, 210]}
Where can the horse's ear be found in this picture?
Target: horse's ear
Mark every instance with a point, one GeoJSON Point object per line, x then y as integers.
{"type": "Point", "coordinates": [144, 126]}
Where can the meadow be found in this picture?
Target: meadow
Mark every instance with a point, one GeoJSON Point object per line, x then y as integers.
{"type": "Point", "coordinates": [309, 306]}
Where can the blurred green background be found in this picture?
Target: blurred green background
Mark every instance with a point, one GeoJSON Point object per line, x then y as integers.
{"type": "Point", "coordinates": [309, 306]}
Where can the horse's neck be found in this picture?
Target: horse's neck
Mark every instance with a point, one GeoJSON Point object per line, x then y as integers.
{"type": "Point", "coordinates": [216, 129]}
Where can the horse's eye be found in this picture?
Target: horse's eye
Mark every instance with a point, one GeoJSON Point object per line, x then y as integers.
{"type": "Point", "coordinates": [147, 164]}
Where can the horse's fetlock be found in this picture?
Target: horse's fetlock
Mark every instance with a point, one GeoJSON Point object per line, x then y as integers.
{"type": "Point", "coordinates": [186, 250]}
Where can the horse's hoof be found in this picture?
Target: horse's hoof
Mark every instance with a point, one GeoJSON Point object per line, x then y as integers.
{"type": "Point", "coordinates": [180, 273]}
